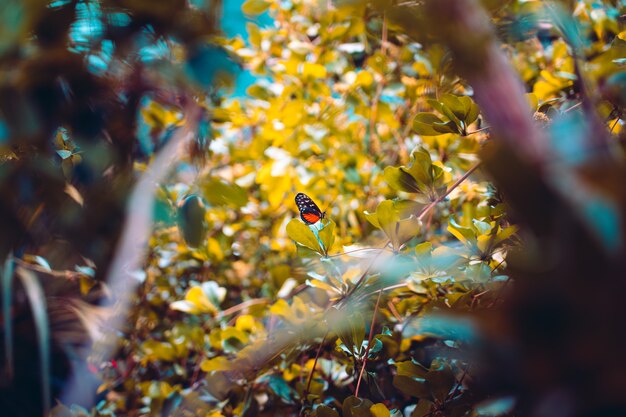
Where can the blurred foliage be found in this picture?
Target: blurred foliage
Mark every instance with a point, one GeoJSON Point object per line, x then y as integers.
{"type": "Point", "coordinates": [245, 310]}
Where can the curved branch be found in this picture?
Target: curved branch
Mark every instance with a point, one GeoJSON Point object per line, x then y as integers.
{"type": "Point", "coordinates": [130, 253]}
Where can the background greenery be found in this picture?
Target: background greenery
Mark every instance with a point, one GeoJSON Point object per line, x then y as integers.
{"type": "Point", "coordinates": [452, 276]}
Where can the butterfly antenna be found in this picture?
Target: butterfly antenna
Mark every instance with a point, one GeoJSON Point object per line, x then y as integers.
{"type": "Point", "coordinates": [330, 204]}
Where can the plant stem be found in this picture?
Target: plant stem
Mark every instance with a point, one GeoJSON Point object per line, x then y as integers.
{"type": "Point", "coordinates": [317, 355]}
{"type": "Point", "coordinates": [442, 197]}
{"type": "Point", "coordinates": [369, 344]}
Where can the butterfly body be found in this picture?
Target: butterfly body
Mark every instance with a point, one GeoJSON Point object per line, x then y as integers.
{"type": "Point", "coordinates": [310, 213]}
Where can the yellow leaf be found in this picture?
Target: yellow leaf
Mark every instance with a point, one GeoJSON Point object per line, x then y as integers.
{"type": "Point", "coordinates": [311, 70]}
{"type": "Point", "coordinates": [254, 34]}
{"type": "Point", "coordinates": [293, 372]}
{"type": "Point", "coordinates": [280, 308]}
{"type": "Point", "coordinates": [254, 7]}
{"type": "Point", "coordinates": [198, 298]}
{"type": "Point", "coordinates": [363, 79]}
{"type": "Point", "coordinates": [457, 234]}
{"type": "Point", "coordinates": [379, 410]}
{"type": "Point", "coordinates": [292, 113]}
{"type": "Point", "coordinates": [549, 85]}
{"type": "Point", "coordinates": [303, 235]}
{"type": "Point", "coordinates": [247, 323]}
{"type": "Point", "coordinates": [316, 283]}
{"type": "Point", "coordinates": [296, 313]}
{"type": "Point", "coordinates": [483, 242]}
{"type": "Point", "coordinates": [214, 249]}
{"type": "Point", "coordinates": [219, 363]}
{"type": "Point", "coordinates": [73, 192]}
{"type": "Point", "coordinates": [232, 333]}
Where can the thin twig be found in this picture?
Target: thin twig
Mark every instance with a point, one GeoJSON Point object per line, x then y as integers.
{"type": "Point", "coordinates": [458, 385]}
{"type": "Point", "coordinates": [500, 293]}
{"type": "Point", "coordinates": [393, 310]}
{"type": "Point", "coordinates": [367, 270]}
{"type": "Point", "coordinates": [317, 355]}
{"type": "Point", "coordinates": [369, 344]}
{"type": "Point", "coordinates": [242, 306]}
{"type": "Point", "coordinates": [428, 223]}
{"type": "Point", "coordinates": [574, 107]}
{"type": "Point", "coordinates": [352, 251]}
{"type": "Point", "coordinates": [391, 287]}
{"type": "Point", "coordinates": [69, 275]}
{"type": "Point", "coordinates": [478, 130]}
{"type": "Point", "coordinates": [383, 39]}
{"type": "Point", "coordinates": [442, 197]}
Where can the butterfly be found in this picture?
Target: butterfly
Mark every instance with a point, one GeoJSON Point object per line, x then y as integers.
{"type": "Point", "coordinates": [309, 212]}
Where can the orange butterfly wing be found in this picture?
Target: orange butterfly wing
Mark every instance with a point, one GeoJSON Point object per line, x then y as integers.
{"type": "Point", "coordinates": [311, 217]}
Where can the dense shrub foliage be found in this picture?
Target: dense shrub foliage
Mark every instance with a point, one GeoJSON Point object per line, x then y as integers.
{"type": "Point", "coordinates": [244, 309]}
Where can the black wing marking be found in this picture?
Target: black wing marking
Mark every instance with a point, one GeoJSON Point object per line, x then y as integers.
{"type": "Point", "coordinates": [306, 205]}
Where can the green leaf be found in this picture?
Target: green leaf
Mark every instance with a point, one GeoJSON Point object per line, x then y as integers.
{"type": "Point", "coordinates": [429, 124]}
{"type": "Point", "coordinates": [481, 227]}
{"type": "Point", "coordinates": [64, 153]}
{"type": "Point", "coordinates": [356, 407]}
{"type": "Point", "coordinates": [453, 107]}
{"type": "Point", "coordinates": [480, 272]}
{"type": "Point", "coordinates": [413, 387]}
{"type": "Point", "coordinates": [400, 180]}
{"type": "Point", "coordinates": [281, 388]}
{"type": "Point", "coordinates": [453, 120]}
{"type": "Point", "coordinates": [472, 110]}
{"type": "Point", "coordinates": [411, 379]}
{"type": "Point", "coordinates": [407, 208]}
{"type": "Point", "coordinates": [255, 7]}
{"type": "Point", "coordinates": [324, 411]}
{"type": "Point", "coordinates": [440, 380]}
{"type": "Point", "coordinates": [421, 177]}
{"type": "Point", "coordinates": [464, 234]}
{"type": "Point", "coordinates": [302, 235]}
{"type": "Point", "coordinates": [421, 168]}
{"type": "Point", "coordinates": [376, 347]}
{"type": "Point", "coordinates": [388, 217]}
{"type": "Point", "coordinates": [352, 332]}
{"type": "Point", "coordinates": [327, 234]}
{"type": "Point", "coordinates": [459, 110]}
{"type": "Point", "coordinates": [423, 409]}
{"type": "Point", "coordinates": [390, 346]}
{"type": "Point", "coordinates": [407, 229]}
{"type": "Point", "coordinates": [411, 369]}
{"type": "Point", "coordinates": [218, 192]}
{"type": "Point", "coordinates": [191, 221]}
{"type": "Point", "coordinates": [436, 105]}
